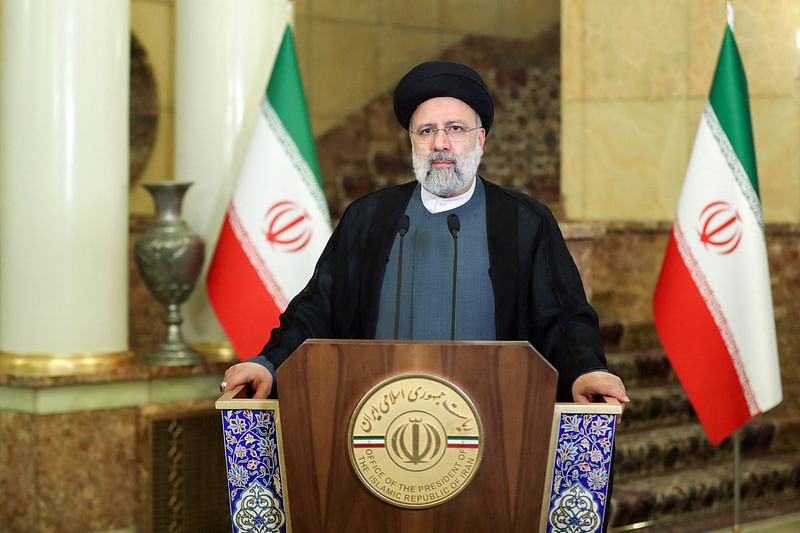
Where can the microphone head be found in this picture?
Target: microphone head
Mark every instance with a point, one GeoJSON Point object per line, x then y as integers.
{"type": "Point", "coordinates": [453, 224]}
{"type": "Point", "coordinates": [403, 224]}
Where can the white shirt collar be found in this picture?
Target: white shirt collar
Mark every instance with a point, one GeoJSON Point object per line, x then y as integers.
{"type": "Point", "coordinates": [437, 204]}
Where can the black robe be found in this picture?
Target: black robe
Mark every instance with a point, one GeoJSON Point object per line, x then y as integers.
{"type": "Point", "coordinates": [538, 292]}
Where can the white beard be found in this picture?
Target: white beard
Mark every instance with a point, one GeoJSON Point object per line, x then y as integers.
{"type": "Point", "coordinates": [445, 182]}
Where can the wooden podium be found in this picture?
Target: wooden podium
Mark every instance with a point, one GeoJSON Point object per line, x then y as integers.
{"type": "Point", "coordinates": [542, 466]}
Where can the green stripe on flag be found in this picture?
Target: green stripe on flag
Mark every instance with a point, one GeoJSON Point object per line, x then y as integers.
{"type": "Point", "coordinates": [285, 93]}
{"type": "Point", "coordinates": [731, 103]}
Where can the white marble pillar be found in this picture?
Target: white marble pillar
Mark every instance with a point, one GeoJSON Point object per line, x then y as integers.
{"type": "Point", "coordinates": [224, 55]}
{"type": "Point", "coordinates": [64, 184]}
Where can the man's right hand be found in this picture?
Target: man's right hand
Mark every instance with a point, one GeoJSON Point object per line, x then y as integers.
{"type": "Point", "coordinates": [256, 376]}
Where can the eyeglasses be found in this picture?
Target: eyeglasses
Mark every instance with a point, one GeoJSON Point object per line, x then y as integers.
{"type": "Point", "coordinates": [454, 132]}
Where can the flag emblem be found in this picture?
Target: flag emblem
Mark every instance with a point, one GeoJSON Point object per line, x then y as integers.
{"type": "Point", "coordinates": [288, 226]}
{"type": "Point", "coordinates": [720, 228]}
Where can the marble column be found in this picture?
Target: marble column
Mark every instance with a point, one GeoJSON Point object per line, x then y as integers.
{"type": "Point", "coordinates": [64, 179]}
{"type": "Point", "coordinates": [224, 55]}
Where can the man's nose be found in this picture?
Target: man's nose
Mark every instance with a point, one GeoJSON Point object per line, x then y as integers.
{"type": "Point", "coordinates": [440, 140]}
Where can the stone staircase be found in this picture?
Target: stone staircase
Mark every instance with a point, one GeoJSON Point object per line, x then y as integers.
{"type": "Point", "coordinates": [668, 476]}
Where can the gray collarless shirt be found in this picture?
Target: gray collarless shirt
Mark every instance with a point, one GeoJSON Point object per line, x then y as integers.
{"type": "Point", "coordinates": [426, 285]}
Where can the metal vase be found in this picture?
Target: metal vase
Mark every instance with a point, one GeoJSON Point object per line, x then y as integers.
{"type": "Point", "coordinates": [170, 257]}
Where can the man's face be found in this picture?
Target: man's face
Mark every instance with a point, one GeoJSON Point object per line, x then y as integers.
{"type": "Point", "coordinates": [445, 166]}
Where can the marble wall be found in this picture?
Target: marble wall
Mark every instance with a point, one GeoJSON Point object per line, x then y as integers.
{"type": "Point", "coordinates": [635, 78]}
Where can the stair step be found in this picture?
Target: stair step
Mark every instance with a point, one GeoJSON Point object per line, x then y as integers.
{"type": "Point", "coordinates": [656, 406]}
{"type": "Point", "coordinates": [624, 336]}
{"type": "Point", "coordinates": [705, 489]}
{"type": "Point", "coordinates": [661, 449]}
{"type": "Point", "coordinates": [640, 367]}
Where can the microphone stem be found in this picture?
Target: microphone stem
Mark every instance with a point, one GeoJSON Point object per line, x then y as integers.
{"type": "Point", "coordinates": [455, 273]}
{"type": "Point", "coordinates": [397, 294]}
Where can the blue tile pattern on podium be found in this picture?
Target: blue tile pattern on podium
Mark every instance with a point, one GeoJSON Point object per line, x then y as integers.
{"type": "Point", "coordinates": [581, 470]}
{"type": "Point", "coordinates": [255, 483]}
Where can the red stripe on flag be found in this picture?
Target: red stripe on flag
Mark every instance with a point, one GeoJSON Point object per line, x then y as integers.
{"type": "Point", "coordinates": [697, 350]}
{"type": "Point", "coordinates": [244, 307]}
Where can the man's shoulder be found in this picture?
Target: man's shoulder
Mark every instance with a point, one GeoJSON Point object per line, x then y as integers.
{"type": "Point", "coordinates": [525, 203]}
{"type": "Point", "coordinates": [370, 202]}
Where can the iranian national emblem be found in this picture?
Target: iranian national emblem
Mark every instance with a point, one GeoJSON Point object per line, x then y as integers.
{"type": "Point", "coordinates": [720, 227]}
{"type": "Point", "coordinates": [415, 440]}
{"type": "Point", "coordinates": [287, 226]}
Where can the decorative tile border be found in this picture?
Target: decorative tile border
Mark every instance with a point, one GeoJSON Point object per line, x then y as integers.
{"type": "Point", "coordinates": [254, 459]}
{"type": "Point", "coordinates": [579, 466]}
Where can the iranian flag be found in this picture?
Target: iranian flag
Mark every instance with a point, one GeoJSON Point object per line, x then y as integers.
{"type": "Point", "coordinates": [277, 222]}
{"type": "Point", "coordinates": [713, 302]}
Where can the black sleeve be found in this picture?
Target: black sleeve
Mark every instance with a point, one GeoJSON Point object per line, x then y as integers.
{"type": "Point", "coordinates": [565, 325]}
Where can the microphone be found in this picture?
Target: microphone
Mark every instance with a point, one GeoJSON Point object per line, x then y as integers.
{"type": "Point", "coordinates": [454, 225]}
{"type": "Point", "coordinates": [402, 228]}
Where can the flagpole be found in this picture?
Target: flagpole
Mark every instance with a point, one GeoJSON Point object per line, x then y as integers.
{"type": "Point", "coordinates": [737, 479]}
{"type": "Point", "coordinates": [737, 435]}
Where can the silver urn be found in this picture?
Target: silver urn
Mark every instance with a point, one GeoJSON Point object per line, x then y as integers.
{"type": "Point", "coordinates": [170, 258]}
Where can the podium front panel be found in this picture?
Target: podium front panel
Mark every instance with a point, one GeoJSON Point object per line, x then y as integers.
{"type": "Point", "coordinates": [511, 386]}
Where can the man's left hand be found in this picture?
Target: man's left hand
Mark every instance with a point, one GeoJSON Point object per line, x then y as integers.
{"type": "Point", "coordinates": [591, 384]}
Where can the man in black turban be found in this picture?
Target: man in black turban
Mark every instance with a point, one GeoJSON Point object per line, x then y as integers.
{"type": "Point", "coordinates": [515, 278]}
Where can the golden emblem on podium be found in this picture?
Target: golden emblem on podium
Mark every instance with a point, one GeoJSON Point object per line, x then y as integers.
{"type": "Point", "coordinates": [415, 440]}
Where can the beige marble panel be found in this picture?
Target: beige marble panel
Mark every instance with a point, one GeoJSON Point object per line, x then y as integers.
{"type": "Point", "coordinates": [765, 33]}
{"type": "Point", "coordinates": [572, 50]}
{"type": "Point", "coordinates": [302, 7]}
{"type": "Point", "coordinates": [635, 49]}
{"type": "Point", "coordinates": [160, 165]}
{"type": "Point", "coordinates": [154, 26]}
{"type": "Point", "coordinates": [448, 39]}
{"type": "Point", "coordinates": [410, 13]}
{"type": "Point", "coordinates": [635, 159]}
{"type": "Point", "coordinates": [572, 170]}
{"type": "Point", "coordinates": [345, 10]}
{"type": "Point", "coordinates": [707, 20]}
{"type": "Point", "coordinates": [471, 16]}
{"type": "Point", "coordinates": [694, 113]}
{"type": "Point", "coordinates": [776, 129]}
{"type": "Point", "coordinates": [527, 18]}
{"type": "Point", "coordinates": [400, 49]}
{"type": "Point", "coordinates": [302, 46]}
{"type": "Point", "coordinates": [342, 66]}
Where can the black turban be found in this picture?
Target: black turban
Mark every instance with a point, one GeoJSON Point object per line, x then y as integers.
{"type": "Point", "coordinates": [442, 78]}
